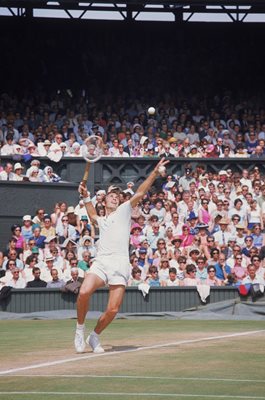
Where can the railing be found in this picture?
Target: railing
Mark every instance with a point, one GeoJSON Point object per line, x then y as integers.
{"type": "Point", "coordinates": [109, 170]}
{"type": "Point", "coordinates": [166, 299]}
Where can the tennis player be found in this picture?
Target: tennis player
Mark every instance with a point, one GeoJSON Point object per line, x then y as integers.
{"type": "Point", "coordinates": [111, 265]}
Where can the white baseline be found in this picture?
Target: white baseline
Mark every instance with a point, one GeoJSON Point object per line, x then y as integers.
{"type": "Point", "coordinates": [122, 394]}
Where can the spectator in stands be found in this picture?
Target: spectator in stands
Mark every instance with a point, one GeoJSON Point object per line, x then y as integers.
{"type": "Point", "coordinates": [37, 237]}
{"type": "Point", "coordinates": [39, 217]}
{"type": "Point", "coordinates": [36, 282]}
{"type": "Point", "coordinates": [172, 279]}
{"type": "Point", "coordinates": [154, 235]}
{"type": "Point", "coordinates": [190, 279]}
{"type": "Point", "coordinates": [47, 229]}
{"type": "Point", "coordinates": [49, 175]}
{"type": "Point", "coordinates": [258, 236]}
{"type": "Point", "coordinates": [203, 212]}
{"type": "Point", "coordinates": [252, 276]}
{"type": "Point", "coordinates": [7, 174]}
{"type": "Point", "coordinates": [201, 272]}
{"type": "Point", "coordinates": [17, 235]}
{"type": "Point", "coordinates": [35, 163]}
{"type": "Point", "coordinates": [8, 148]}
{"type": "Point", "coordinates": [30, 263]}
{"type": "Point", "coordinates": [67, 257]}
{"type": "Point", "coordinates": [65, 230]}
{"type": "Point", "coordinates": [33, 249]}
{"type": "Point", "coordinates": [247, 246]}
{"type": "Point", "coordinates": [68, 245]}
{"type": "Point", "coordinates": [257, 262]}
{"type": "Point", "coordinates": [163, 272]}
{"type": "Point", "coordinates": [12, 256]}
{"type": "Point", "coordinates": [254, 215]}
{"type": "Point", "coordinates": [86, 244]}
{"type": "Point", "coordinates": [221, 268]}
{"type": "Point", "coordinates": [136, 277]}
{"type": "Point", "coordinates": [33, 174]}
{"type": "Point", "coordinates": [58, 261]}
{"type": "Point", "coordinates": [186, 237]}
{"type": "Point", "coordinates": [221, 237]}
{"type": "Point", "coordinates": [47, 268]}
{"type": "Point", "coordinates": [238, 269]}
{"type": "Point", "coordinates": [158, 210]}
{"type": "Point", "coordinates": [59, 211]}
{"type": "Point", "coordinates": [18, 169]}
{"type": "Point", "coordinates": [55, 282]}
{"type": "Point", "coordinates": [215, 254]}
{"type": "Point", "coordinates": [16, 282]}
{"type": "Point", "coordinates": [135, 236]}
{"type": "Point", "coordinates": [26, 229]}
{"type": "Point", "coordinates": [12, 246]}
{"type": "Point", "coordinates": [85, 261]}
{"type": "Point", "coordinates": [75, 276]}
{"type": "Point", "coordinates": [212, 280]}
{"type": "Point", "coordinates": [152, 277]}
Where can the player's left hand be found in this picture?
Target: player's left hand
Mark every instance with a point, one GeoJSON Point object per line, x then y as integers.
{"type": "Point", "coordinates": [161, 165]}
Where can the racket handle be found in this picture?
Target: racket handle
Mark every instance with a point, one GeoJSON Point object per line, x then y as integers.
{"type": "Point", "coordinates": [86, 173]}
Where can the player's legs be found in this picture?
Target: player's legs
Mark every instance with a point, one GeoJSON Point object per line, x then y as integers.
{"type": "Point", "coordinates": [116, 293]}
{"type": "Point", "coordinates": [91, 283]}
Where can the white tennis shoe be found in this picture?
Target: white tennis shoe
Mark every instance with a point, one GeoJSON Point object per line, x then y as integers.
{"type": "Point", "coordinates": [93, 342]}
{"type": "Point", "coordinates": [80, 343]}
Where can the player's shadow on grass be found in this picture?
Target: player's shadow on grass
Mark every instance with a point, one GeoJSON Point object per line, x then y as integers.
{"type": "Point", "coordinates": [122, 348]}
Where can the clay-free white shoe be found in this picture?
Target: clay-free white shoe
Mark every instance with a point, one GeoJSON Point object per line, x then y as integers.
{"type": "Point", "coordinates": [93, 342]}
{"type": "Point", "coordinates": [80, 343]}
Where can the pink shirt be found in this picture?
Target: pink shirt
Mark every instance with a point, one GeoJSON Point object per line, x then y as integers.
{"type": "Point", "coordinates": [205, 216]}
{"type": "Point", "coordinates": [20, 242]}
{"type": "Point", "coordinates": [191, 282]}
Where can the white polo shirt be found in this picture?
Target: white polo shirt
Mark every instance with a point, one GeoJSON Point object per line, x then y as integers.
{"type": "Point", "coordinates": [114, 232]}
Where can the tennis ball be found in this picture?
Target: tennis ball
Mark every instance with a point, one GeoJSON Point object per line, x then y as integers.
{"type": "Point", "coordinates": [161, 169]}
{"type": "Point", "coordinates": [151, 110]}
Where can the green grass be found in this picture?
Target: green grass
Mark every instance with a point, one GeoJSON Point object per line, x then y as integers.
{"type": "Point", "coordinates": [193, 369]}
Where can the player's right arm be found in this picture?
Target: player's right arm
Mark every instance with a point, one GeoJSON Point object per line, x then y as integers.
{"type": "Point", "coordinates": [88, 204]}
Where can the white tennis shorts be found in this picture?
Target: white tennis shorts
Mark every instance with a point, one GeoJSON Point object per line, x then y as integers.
{"type": "Point", "coordinates": [113, 270]}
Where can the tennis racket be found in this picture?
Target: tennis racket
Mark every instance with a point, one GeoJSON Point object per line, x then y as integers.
{"type": "Point", "coordinates": [91, 151]}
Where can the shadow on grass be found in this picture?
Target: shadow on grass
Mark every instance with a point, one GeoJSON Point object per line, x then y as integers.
{"type": "Point", "coordinates": [122, 348]}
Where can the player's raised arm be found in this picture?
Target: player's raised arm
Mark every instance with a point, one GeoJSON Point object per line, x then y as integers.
{"type": "Point", "coordinates": [87, 201]}
{"type": "Point", "coordinates": [146, 185]}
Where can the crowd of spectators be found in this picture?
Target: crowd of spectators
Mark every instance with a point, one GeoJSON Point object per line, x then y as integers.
{"type": "Point", "coordinates": [57, 126]}
{"type": "Point", "coordinates": [202, 228]}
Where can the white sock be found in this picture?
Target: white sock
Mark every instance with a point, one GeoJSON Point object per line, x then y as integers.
{"type": "Point", "coordinates": [94, 333]}
{"type": "Point", "coordinates": [80, 326]}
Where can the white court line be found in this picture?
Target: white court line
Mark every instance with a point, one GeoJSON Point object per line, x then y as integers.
{"type": "Point", "coordinates": [114, 353]}
{"type": "Point", "coordinates": [164, 378]}
{"type": "Point", "coordinates": [136, 395]}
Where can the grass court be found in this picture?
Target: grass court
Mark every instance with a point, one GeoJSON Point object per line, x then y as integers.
{"type": "Point", "coordinates": [144, 359]}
